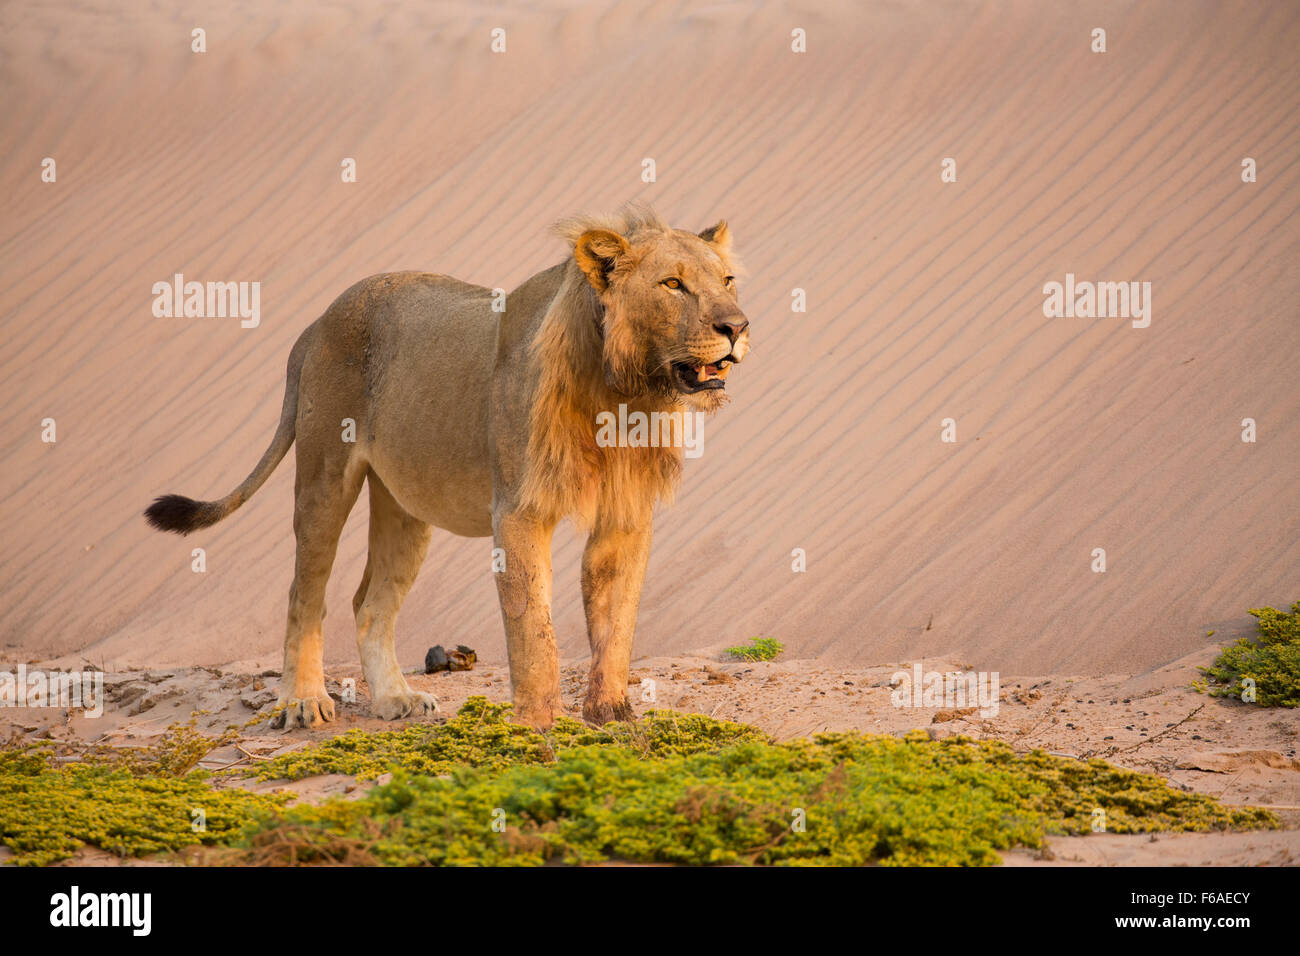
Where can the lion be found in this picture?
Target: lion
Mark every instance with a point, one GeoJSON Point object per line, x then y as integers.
{"type": "Point", "coordinates": [482, 422]}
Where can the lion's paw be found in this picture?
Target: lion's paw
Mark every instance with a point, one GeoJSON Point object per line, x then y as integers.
{"type": "Point", "coordinates": [413, 704]}
{"type": "Point", "coordinates": [304, 712]}
{"type": "Point", "coordinates": [601, 712]}
{"type": "Point", "coordinates": [537, 712]}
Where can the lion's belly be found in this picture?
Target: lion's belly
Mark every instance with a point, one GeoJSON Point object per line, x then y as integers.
{"type": "Point", "coordinates": [441, 477]}
{"type": "Point", "coordinates": [454, 496]}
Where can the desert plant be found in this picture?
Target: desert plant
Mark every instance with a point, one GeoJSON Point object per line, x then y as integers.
{"type": "Point", "coordinates": [758, 649]}
{"type": "Point", "coordinates": [1265, 669]}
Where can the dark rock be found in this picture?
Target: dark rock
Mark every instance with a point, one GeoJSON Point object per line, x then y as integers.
{"type": "Point", "coordinates": [439, 659]}
{"type": "Point", "coordinates": [436, 660]}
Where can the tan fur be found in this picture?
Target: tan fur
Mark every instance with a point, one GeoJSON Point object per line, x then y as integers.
{"type": "Point", "coordinates": [484, 423]}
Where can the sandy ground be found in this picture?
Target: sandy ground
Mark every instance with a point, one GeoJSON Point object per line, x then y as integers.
{"type": "Point", "coordinates": [1153, 722]}
{"type": "Point", "coordinates": [924, 303]}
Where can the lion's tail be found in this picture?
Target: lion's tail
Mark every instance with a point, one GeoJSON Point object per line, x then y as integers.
{"type": "Point", "coordinates": [183, 515]}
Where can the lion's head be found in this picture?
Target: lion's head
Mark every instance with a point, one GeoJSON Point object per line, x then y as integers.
{"type": "Point", "coordinates": [671, 321]}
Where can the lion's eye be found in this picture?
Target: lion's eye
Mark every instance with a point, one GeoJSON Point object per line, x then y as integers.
{"type": "Point", "coordinates": [673, 283]}
{"type": "Point", "coordinates": [729, 281]}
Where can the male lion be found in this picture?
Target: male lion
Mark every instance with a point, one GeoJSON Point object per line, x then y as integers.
{"type": "Point", "coordinates": [484, 423]}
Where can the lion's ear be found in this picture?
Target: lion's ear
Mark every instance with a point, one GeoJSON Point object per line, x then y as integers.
{"type": "Point", "coordinates": [597, 252]}
{"type": "Point", "coordinates": [718, 235]}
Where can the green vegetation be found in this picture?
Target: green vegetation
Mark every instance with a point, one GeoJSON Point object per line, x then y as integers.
{"type": "Point", "coordinates": [174, 754]}
{"type": "Point", "coordinates": [481, 735]}
{"type": "Point", "coordinates": [863, 799]}
{"type": "Point", "coordinates": [758, 649]}
{"type": "Point", "coordinates": [671, 788]}
{"type": "Point", "coordinates": [1271, 660]}
{"type": "Point", "coordinates": [48, 812]}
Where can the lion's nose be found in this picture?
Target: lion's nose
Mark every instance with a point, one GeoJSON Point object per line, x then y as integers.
{"type": "Point", "coordinates": [731, 326]}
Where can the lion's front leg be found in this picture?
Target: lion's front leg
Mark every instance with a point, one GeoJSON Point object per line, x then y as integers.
{"type": "Point", "coordinates": [524, 588]}
{"type": "Point", "coordinates": [613, 569]}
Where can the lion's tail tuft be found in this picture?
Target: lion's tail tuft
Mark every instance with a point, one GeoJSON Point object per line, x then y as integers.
{"type": "Point", "coordinates": [183, 515]}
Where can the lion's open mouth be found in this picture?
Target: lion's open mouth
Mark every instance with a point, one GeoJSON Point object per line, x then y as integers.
{"type": "Point", "coordinates": [698, 376]}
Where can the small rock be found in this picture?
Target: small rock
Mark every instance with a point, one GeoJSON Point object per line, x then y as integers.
{"type": "Point", "coordinates": [257, 699]}
{"type": "Point", "coordinates": [436, 660]}
{"type": "Point", "coordinates": [440, 659]}
{"type": "Point", "coordinates": [131, 692]}
{"type": "Point", "coordinates": [943, 716]}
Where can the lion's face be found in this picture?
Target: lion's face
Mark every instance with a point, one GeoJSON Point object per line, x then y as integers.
{"type": "Point", "coordinates": [672, 323]}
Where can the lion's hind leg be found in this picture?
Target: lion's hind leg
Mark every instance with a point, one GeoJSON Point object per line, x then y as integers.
{"type": "Point", "coordinates": [324, 494]}
{"type": "Point", "coordinates": [398, 544]}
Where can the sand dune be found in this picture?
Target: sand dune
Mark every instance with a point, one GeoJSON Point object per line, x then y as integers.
{"type": "Point", "coordinates": [924, 303]}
